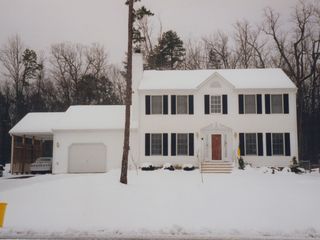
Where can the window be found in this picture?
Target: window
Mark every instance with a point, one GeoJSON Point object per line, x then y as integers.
{"type": "Point", "coordinates": [215, 104]}
{"type": "Point", "coordinates": [250, 104]}
{"type": "Point", "coordinates": [182, 144]}
{"type": "Point", "coordinates": [251, 143]}
{"type": "Point", "coordinates": [276, 104]}
{"type": "Point", "coordinates": [182, 104]}
{"type": "Point", "coordinates": [156, 144]}
{"type": "Point", "coordinates": [156, 104]}
{"type": "Point", "coordinates": [277, 144]}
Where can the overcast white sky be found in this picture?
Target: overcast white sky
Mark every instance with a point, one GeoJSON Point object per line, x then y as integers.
{"type": "Point", "coordinates": [43, 22]}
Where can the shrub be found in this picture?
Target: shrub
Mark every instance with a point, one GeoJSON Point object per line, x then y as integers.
{"type": "Point", "coordinates": [147, 167]}
{"type": "Point", "coordinates": [188, 167]}
{"type": "Point", "coordinates": [241, 163]}
{"type": "Point", "coordinates": [168, 166]}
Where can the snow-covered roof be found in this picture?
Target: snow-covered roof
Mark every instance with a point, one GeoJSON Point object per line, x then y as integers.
{"type": "Point", "coordinates": [36, 124]}
{"type": "Point", "coordinates": [93, 117]}
{"type": "Point", "coordinates": [267, 78]}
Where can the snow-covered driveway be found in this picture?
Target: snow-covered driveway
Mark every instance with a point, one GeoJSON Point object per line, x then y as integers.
{"type": "Point", "coordinates": [163, 203]}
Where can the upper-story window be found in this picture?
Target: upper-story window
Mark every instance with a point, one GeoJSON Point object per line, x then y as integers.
{"type": "Point", "coordinates": [215, 104]}
{"type": "Point", "coordinates": [276, 103]}
{"type": "Point", "coordinates": [250, 105]}
{"type": "Point", "coordinates": [156, 104]}
{"type": "Point", "coordinates": [182, 104]}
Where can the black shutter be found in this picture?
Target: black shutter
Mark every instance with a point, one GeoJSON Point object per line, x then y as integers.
{"type": "Point", "coordinates": [260, 144]}
{"type": "Point", "coordinates": [173, 104]}
{"type": "Point", "coordinates": [286, 103]}
{"type": "Point", "coordinates": [165, 144]}
{"type": "Point", "coordinates": [191, 144]}
{"type": "Point", "coordinates": [147, 104]}
{"type": "Point", "coordinates": [147, 144]}
{"type": "Point", "coordinates": [206, 104]}
{"type": "Point", "coordinates": [259, 104]}
{"type": "Point", "coordinates": [267, 103]}
{"type": "Point", "coordinates": [241, 111]}
{"type": "Point", "coordinates": [173, 144]}
{"type": "Point", "coordinates": [287, 144]}
{"type": "Point", "coordinates": [268, 141]}
{"type": "Point", "coordinates": [165, 104]}
{"type": "Point", "coordinates": [225, 104]}
{"type": "Point", "coordinates": [190, 104]}
{"type": "Point", "coordinates": [241, 144]}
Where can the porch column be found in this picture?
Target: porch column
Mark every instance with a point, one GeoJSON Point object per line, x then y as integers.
{"type": "Point", "coordinates": [12, 152]}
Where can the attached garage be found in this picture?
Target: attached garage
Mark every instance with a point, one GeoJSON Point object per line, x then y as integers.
{"type": "Point", "coordinates": [87, 158]}
{"type": "Point", "coordinates": [89, 139]}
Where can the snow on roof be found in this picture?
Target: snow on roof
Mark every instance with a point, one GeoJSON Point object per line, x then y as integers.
{"type": "Point", "coordinates": [36, 124]}
{"type": "Point", "coordinates": [93, 117]}
{"type": "Point", "coordinates": [239, 78]}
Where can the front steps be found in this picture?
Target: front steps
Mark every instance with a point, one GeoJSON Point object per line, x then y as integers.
{"type": "Point", "coordinates": [216, 167]}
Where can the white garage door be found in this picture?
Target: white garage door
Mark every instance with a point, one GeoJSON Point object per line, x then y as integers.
{"type": "Point", "coordinates": [87, 158]}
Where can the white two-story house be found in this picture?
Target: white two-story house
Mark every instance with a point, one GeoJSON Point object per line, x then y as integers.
{"type": "Point", "coordinates": [181, 117]}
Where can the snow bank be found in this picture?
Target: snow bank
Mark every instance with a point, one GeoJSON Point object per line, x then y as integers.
{"type": "Point", "coordinates": [163, 203]}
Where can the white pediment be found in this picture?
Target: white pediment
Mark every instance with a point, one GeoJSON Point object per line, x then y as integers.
{"type": "Point", "coordinates": [216, 127]}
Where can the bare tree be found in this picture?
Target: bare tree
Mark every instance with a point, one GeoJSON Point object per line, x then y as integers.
{"type": "Point", "coordinates": [297, 51]}
{"type": "Point", "coordinates": [70, 63]}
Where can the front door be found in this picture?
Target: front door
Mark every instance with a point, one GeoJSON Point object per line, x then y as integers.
{"type": "Point", "coordinates": [216, 146]}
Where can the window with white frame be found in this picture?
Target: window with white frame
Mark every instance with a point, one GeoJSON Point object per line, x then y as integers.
{"type": "Point", "coordinates": [182, 144]}
{"type": "Point", "coordinates": [215, 104]}
{"type": "Point", "coordinates": [156, 104]}
{"type": "Point", "coordinates": [182, 104]}
{"type": "Point", "coordinates": [276, 103]}
{"type": "Point", "coordinates": [250, 105]}
{"type": "Point", "coordinates": [156, 144]}
{"type": "Point", "coordinates": [277, 144]}
{"type": "Point", "coordinates": [251, 143]}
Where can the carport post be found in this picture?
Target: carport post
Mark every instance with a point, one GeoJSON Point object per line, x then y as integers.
{"type": "Point", "coordinates": [12, 152]}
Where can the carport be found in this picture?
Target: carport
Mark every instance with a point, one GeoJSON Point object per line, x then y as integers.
{"type": "Point", "coordinates": [31, 138]}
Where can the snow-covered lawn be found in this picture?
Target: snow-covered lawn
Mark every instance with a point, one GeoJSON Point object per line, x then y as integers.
{"type": "Point", "coordinates": [162, 203]}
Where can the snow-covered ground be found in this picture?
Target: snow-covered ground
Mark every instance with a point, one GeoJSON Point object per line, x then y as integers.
{"type": "Point", "coordinates": [245, 204]}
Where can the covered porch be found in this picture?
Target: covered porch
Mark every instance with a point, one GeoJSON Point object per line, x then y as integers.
{"type": "Point", "coordinates": [31, 138]}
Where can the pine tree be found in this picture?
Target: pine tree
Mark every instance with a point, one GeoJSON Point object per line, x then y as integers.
{"type": "Point", "coordinates": [169, 53]}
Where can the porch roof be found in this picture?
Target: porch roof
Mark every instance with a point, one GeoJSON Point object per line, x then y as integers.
{"type": "Point", "coordinates": [36, 124]}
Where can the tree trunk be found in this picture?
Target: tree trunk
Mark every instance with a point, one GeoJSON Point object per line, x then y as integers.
{"type": "Point", "coordinates": [124, 166]}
